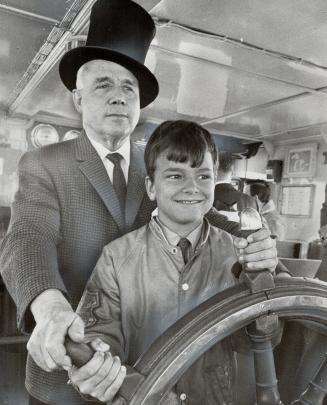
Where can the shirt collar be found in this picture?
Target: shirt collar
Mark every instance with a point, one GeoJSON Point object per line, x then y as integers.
{"type": "Point", "coordinates": [102, 151]}
{"type": "Point", "coordinates": [173, 238]}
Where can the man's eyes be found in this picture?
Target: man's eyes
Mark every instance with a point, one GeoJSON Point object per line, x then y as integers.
{"type": "Point", "coordinates": [174, 176]}
{"type": "Point", "coordinates": [103, 86]}
{"type": "Point", "coordinates": [127, 88]}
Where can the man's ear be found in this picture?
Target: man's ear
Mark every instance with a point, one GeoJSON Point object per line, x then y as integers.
{"type": "Point", "coordinates": [150, 188]}
{"type": "Point", "coordinates": [77, 98]}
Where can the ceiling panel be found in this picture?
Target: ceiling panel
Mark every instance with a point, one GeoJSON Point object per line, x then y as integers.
{"type": "Point", "coordinates": [20, 39]}
{"type": "Point", "coordinates": [205, 90]}
{"type": "Point", "coordinates": [305, 112]}
{"type": "Point", "coordinates": [240, 57]}
{"type": "Point", "coordinates": [244, 68]}
{"type": "Point", "coordinates": [295, 27]}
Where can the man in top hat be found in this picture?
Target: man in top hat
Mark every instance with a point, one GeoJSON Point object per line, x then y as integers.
{"type": "Point", "coordinates": [77, 196]}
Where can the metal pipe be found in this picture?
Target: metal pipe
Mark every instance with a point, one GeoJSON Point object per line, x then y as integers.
{"type": "Point", "coordinates": [24, 13]}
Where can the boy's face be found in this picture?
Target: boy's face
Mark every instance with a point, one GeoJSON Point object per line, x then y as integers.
{"type": "Point", "coordinates": [184, 194]}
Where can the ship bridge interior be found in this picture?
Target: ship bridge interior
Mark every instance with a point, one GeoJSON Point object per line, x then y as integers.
{"type": "Point", "coordinates": [253, 73]}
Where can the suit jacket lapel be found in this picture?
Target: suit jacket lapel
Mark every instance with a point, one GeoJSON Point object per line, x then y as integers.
{"type": "Point", "coordinates": [94, 170]}
{"type": "Point", "coordinates": [135, 185]}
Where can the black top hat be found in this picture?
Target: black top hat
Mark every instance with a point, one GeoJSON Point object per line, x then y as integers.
{"type": "Point", "coordinates": [120, 31]}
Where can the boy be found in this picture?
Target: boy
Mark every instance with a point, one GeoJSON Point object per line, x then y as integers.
{"type": "Point", "coordinates": [148, 279]}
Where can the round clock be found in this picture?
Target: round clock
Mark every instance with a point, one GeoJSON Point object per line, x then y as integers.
{"type": "Point", "coordinates": [44, 134]}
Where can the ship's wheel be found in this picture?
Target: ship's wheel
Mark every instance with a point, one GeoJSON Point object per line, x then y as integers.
{"type": "Point", "coordinates": [305, 300]}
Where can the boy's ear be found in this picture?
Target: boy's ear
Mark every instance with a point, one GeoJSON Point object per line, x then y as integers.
{"type": "Point", "coordinates": [150, 189]}
{"type": "Point", "coordinates": [77, 98]}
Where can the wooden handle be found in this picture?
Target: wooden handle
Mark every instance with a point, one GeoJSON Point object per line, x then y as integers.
{"type": "Point", "coordinates": [81, 353]}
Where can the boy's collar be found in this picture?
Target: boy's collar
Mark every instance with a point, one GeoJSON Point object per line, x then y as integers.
{"type": "Point", "coordinates": [197, 237]}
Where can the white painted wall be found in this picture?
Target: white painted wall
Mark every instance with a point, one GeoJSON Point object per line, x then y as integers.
{"type": "Point", "coordinates": [306, 228]}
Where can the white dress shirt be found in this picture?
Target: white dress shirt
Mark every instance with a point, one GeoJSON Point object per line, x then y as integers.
{"type": "Point", "coordinates": [103, 152]}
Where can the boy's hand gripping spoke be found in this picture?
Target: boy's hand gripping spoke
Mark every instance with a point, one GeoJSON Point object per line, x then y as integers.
{"type": "Point", "coordinates": [257, 280]}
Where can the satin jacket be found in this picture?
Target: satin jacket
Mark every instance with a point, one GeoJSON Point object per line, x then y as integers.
{"type": "Point", "coordinates": [141, 286]}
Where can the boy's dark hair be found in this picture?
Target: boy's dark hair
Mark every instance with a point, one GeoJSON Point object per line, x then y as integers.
{"type": "Point", "coordinates": [183, 141]}
{"type": "Point", "coordinates": [262, 190]}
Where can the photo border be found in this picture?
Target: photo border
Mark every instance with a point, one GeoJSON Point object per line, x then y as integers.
{"type": "Point", "coordinates": [312, 148]}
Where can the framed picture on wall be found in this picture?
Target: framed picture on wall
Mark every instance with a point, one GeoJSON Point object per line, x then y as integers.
{"type": "Point", "coordinates": [301, 161]}
{"type": "Point", "coordinates": [297, 200]}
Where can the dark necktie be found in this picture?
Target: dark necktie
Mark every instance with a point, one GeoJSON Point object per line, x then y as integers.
{"type": "Point", "coordinates": [185, 244]}
{"type": "Point", "coordinates": [118, 179]}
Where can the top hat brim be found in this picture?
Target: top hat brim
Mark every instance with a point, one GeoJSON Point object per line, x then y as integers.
{"type": "Point", "coordinates": [75, 58]}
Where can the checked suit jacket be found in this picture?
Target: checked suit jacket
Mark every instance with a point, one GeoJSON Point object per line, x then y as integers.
{"type": "Point", "coordinates": [64, 213]}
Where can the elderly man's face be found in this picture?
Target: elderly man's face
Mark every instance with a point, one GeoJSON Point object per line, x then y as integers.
{"type": "Point", "coordinates": [108, 98]}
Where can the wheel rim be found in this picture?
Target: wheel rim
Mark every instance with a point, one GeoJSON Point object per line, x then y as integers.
{"type": "Point", "coordinates": [217, 318]}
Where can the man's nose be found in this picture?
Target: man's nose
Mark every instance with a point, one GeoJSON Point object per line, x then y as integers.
{"type": "Point", "coordinates": [117, 96]}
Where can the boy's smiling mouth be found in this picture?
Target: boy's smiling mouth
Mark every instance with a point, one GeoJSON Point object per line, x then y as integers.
{"type": "Point", "coordinates": [188, 201]}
